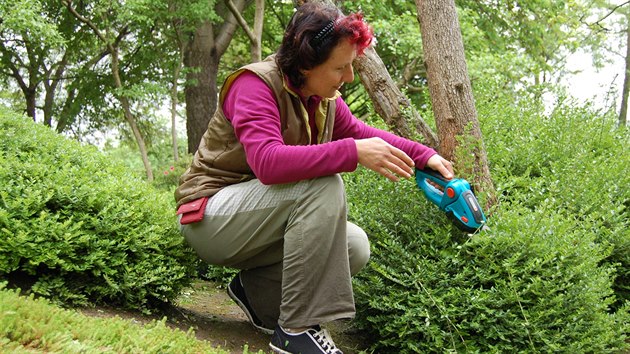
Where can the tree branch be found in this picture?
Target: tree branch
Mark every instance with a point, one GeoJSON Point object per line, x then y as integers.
{"type": "Point", "coordinates": [73, 11]}
{"type": "Point", "coordinates": [241, 21]}
{"type": "Point", "coordinates": [227, 29]}
{"type": "Point", "coordinates": [612, 11]}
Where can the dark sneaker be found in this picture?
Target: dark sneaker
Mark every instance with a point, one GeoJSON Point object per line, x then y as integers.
{"type": "Point", "coordinates": [237, 293]}
{"type": "Point", "coordinates": [314, 340]}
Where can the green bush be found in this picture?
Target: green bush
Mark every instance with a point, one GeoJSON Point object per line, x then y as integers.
{"type": "Point", "coordinates": [529, 284]}
{"type": "Point", "coordinates": [81, 226]}
{"type": "Point", "coordinates": [550, 274]}
{"type": "Point", "coordinates": [573, 160]}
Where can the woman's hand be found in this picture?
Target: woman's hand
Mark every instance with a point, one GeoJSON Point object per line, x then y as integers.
{"type": "Point", "coordinates": [442, 165]}
{"type": "Point", "coordinates": [381, 157]}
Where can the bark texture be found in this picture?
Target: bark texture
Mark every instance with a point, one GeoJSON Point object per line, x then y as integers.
{"type": "Point", "coordinates": [459, 134]}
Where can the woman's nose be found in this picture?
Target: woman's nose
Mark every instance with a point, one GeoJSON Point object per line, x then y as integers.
{"type": "Point", "coordinates": [348, 75]}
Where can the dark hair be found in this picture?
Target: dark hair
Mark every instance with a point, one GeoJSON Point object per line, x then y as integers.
{"type": "Point", "coordinates": [312, 33]}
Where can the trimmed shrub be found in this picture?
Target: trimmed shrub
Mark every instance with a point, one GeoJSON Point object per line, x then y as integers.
{"type": "Point", "coordinates": [573, 160]}
{"type": "Point", "coordinates": [82, 227]}
{"type": "Point", "coordinates": [551, 273]}
{"type": "Point", "coordinates": [531, 283]}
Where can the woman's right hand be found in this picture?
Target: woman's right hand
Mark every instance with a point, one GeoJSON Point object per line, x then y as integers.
{"type": "Point", "coordinates": [385, 159]}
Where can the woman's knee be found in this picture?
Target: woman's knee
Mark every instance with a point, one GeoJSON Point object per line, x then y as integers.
{"type": "Point", "coordinates": [358, 248]}
{"type": "Point", "coordinates": [330, 188]}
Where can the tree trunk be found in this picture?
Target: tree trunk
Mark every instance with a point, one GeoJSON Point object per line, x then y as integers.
{"type": "Point", "coordinates": [51, 83]}
{"type": "Point", "coordinates": [202, 58]}
{"type": "Point", "coordinates": [623, 112]}
{"type": "Point", "coordinates": [174, 95]}
{"type": "Point", "coordinates": [202, 92]}
{"type": "Point", "coordinates": [28, 90]}
{"type": "Point", "coordinates": [389, 103]}
{"type": "Point", "coordinates": [451, 94]}
{"type": "Point", "coordinates": [256, 47]}
{"type": "Point", "coordinates": [31, 107]}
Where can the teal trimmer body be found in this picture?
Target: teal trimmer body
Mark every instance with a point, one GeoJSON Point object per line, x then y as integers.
{"type": "Point", "coordinates": [456, 199]}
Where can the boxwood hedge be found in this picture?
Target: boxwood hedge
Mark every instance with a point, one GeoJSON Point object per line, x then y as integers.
{"type": "Point", "coordinates": [552, 272]}
{"type": "Point", "coordinates": [80, 227]}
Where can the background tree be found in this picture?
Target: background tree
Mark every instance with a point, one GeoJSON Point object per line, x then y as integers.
{"type": "Point", "coordinates": [209, 41]}
{"type": "Point", "coordinates": [614, 20]}
{"type": "Point", "coordinates": [451, 92]}
{"type": "Point", "coordinates": [254, 34]}
{"type": "Point", "coordinates": [533, 37]}
{"type": "Point", "coordinates": [112, 37]}
{"type": "Point", "coordinates": [174, 23]}
{"type": "Point", "coordinates": [39, 55]}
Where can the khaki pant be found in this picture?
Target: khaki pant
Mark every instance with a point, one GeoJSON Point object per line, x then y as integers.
{"type": "Point", "coordinates": [294, 244]}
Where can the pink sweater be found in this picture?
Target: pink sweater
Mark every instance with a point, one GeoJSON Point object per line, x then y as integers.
{"type": "Point", "coordinates": [251, 107]}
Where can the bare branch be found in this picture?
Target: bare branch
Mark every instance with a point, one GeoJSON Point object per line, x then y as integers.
{"type": "Point", "coordinates": [227, 29]}
{"type": "Point", "coordinates": [612, 11]}
{"type": "Point", "coordinates": [241, 21]}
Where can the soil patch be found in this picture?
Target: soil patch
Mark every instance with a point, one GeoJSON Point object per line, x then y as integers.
{"type": "Point", "coordinates": [214, 317]}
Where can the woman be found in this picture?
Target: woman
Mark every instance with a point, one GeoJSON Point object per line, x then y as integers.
{"type": "Point", "coordinates": [264, 195]}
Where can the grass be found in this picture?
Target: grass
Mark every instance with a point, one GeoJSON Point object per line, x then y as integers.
{"type": "Point", "coordinates": [33, 325]}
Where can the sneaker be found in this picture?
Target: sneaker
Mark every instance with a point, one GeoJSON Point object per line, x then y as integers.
{"type": "Point", "coordinates": [237, 293]}
{"type": "Point", "coordinates": [314, 340]}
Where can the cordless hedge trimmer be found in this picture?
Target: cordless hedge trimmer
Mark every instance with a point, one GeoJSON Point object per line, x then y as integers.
{"type": "Point", "coordinates": [456, 199]}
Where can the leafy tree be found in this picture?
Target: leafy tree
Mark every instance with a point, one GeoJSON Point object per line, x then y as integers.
{"type": "Point", "coordinates": [534, 36]}
{"type": "Point", "coordinates": [38, 56]}
{"type": "Point", "coordinates": [116, 33]}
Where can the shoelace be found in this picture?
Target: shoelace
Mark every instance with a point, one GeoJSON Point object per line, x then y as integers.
{"type": "Point", "coordinates": [322, 337]}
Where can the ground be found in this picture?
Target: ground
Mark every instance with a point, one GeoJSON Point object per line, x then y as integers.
{"type": "Point", "coordinates": [217, 319]}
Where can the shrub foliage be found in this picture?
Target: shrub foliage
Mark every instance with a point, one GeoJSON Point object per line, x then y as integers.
{"type": "Point", "coordinates": [550, 274]}
{"type": "Point", "coordinates": [82, 227]}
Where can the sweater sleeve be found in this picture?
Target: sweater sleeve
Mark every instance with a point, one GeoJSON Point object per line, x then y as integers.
{"type": "Point", "coordinates": [348, 126]}
{"type": "Point", "coordinates": [251, 107]}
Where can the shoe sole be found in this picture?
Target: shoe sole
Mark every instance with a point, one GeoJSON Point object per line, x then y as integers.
{"type": "Point", "coordinates": [249, 316]}
{"type": "Point", "coordinates": [277, 350]}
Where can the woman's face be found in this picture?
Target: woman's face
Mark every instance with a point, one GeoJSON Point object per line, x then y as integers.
{"type": "Point", "coordinates": [328, 77]}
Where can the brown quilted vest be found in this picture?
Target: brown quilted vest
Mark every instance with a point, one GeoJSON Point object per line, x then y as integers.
{"type": "Point", "coordinates": [220, 159]}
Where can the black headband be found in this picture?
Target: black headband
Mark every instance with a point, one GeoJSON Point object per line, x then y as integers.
{"type": "Point", "coordinates": [323, 35]}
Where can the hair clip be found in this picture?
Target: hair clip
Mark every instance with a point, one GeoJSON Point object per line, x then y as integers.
{"type": "Point", "coordinates": [322, 35]}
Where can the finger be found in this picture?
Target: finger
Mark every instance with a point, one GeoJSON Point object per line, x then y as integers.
{"type": "Point", "coordinates": [445, 172]}
{"type": "Point", "coordinates": [408, 161]}
{"type": "Point", "coordinates": [388, 174]}
{"type": "Point", "coordinates": [399, 168]}
{"type": "Point", "coordinates": [445, 168]}
{"type": "Point", "coordinates": [449, 166]}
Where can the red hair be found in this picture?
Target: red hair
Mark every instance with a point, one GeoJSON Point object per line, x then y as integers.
{"type": "Point", "coordinates": [356, 30]}
{"type": "Point", "coordinates": [313, 32]}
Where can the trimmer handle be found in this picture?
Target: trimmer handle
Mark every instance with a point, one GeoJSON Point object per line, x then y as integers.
{"type": "Point", "coordinates": [433, 194]}
{"type": "Point", "coordinates": [435, 176]}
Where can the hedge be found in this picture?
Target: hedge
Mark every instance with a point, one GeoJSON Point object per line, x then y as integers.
{"type": "Point", "coordinates": [80, 227]}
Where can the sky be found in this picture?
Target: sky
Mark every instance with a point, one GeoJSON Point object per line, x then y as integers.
{"type": "Point", "coordinates": [601, 86]}
{"type": "Point", "coordinates": [591, 84]}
